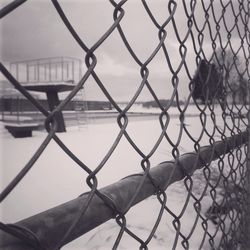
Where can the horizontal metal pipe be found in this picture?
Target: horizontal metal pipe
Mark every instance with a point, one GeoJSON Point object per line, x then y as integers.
{"type": "Point", "coordinates": [50, 226]}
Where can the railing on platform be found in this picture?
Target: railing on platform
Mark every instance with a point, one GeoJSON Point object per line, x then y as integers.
{"type": "Point", "coordinates": [50, 70]}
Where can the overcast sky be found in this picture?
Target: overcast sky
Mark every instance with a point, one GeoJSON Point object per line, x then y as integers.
{"type": "Point", "coordinates": [35, 30]}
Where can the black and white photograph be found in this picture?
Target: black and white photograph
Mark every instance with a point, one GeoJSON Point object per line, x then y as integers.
{"type": "Point", "coordinates": [125, 124]}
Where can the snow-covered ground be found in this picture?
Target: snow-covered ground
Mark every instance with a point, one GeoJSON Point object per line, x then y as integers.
{"type": "Point", "coordinates": [55, 179]}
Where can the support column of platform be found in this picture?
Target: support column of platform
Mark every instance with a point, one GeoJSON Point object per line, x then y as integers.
{"type": "Point", "coordinates": [52, 91]}
{"type": "Point", "coordinates": [53, 102]}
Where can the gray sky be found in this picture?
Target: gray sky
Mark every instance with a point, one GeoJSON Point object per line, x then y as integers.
{"type": "Point", "coordinates": [35, 30]}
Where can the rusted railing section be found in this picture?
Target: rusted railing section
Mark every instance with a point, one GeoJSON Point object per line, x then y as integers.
{"type": "Point", "coordinates": [51, 225]}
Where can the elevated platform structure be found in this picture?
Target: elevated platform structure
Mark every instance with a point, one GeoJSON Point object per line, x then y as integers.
{"type": "Point", "coordinates": [50, 76]}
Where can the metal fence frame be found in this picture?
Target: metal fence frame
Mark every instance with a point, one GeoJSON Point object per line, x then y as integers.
{"type": "Point", "coordinates": [42, 231]}
{"type": "Point", "coordinates": [52, 224]}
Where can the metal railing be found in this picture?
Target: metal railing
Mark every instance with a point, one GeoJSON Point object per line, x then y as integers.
{"type": "Point", "coordinates": [47, 70]}
{"type": "Point", "coordinates": [218, 89]}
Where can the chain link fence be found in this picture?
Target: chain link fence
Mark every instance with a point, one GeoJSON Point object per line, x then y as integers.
{"type": "Point", "coordinates": [213, 178]}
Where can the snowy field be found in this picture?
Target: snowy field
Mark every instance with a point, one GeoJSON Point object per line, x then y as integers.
{"type": "Point", "coordinates": [55, 178]}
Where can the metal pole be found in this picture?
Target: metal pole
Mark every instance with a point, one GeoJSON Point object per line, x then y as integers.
{"type": "Point", "coordinates": [51, 226]}
{"type": "Point", "coordinates": [62, 64]}
{"type": "Point", "coordinates": [80, 70]}
{"type": "Point", "coordinates": [67, 70]}
{"type": "Point", "coordinates": [17, 71]}
{"type": "Point", "coordinates": [38, 70]}
{"type": "Point", "coordinates": [49, 70]}
{"type": "Point", "coordinates": [56, 69]}
{"type": "Point", "coordinates": [18, 109]}
{"type": "Point", "coordinates": [35, 72]}
{"type": "Point", "coordinates": [27, 72]}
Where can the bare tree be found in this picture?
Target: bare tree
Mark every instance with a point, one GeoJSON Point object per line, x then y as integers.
{"type": "Point", "coordinates": [207, 83]}
{"type": "Point", "coordinates": [230, 67]}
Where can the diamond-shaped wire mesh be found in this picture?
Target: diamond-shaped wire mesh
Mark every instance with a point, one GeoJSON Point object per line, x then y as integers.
{"type": "Point", "coordinates": [212, 178]}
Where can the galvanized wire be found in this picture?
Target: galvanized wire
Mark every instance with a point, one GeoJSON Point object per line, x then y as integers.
{"type": "Point", "coordinates": [226, 156]}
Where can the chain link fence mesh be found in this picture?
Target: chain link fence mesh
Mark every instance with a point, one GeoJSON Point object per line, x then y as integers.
{"type": "Point", "coordinates": [213, 177]}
